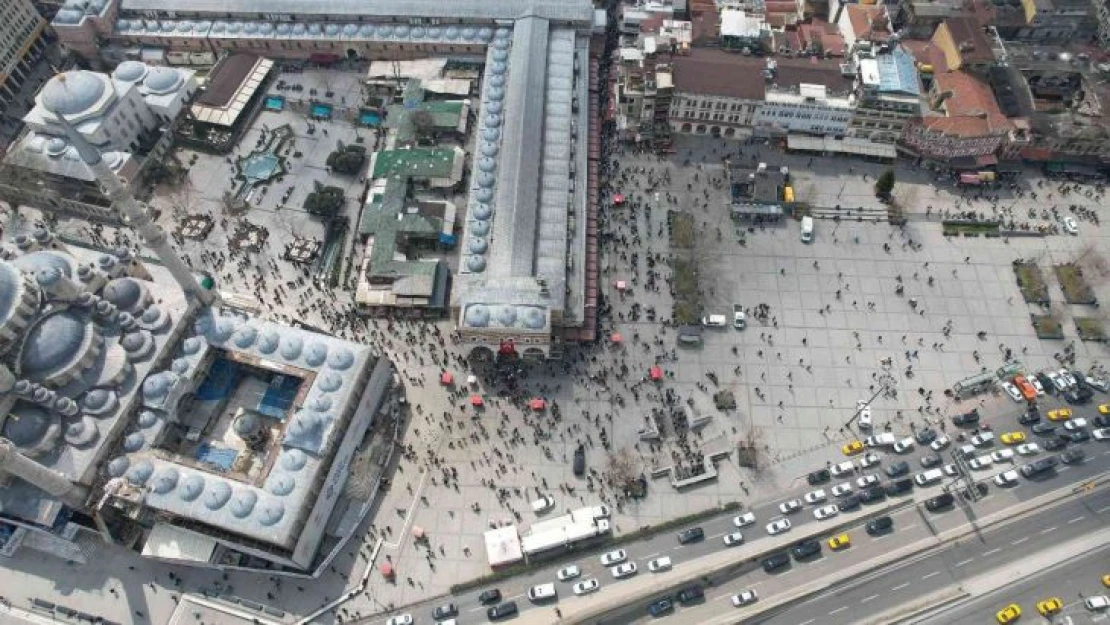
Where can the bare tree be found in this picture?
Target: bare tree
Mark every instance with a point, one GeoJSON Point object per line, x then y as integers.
{"type": "Point", "coordinates": [750, 448]}
{"type": "Point", "coordinates": [624, 467]}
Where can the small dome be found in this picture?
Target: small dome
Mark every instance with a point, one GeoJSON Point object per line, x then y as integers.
{"type": "Point", "coordinates": [493, 120]}
{"type": "Point", "coordinates": [283, 29]}
{"type": "Point", "coordinates": [485, 34]}
{"type": "Point", "coordinates": [56, 146]}
{"type": "Point", "coordinates": [140, 472]}
{"type": "Point", "coordinates": [96, 399]}
{"type": "Point", "coordinates": [495, 94]}
{"type": "Point", "coordinates": [330, 382]}
{"type": "Point", "coordinates": [217, 495]}
{"type": "Point", "coordinates": [118, 466]}
{"type": "Point", "coordinates": [72, 93]}
{"type": "Point", "coordinates": [28, 425]}
{"type": "Point", "coordinates": [192, 345]}
{"type": "Point", "coordinates": [476, 263]}
{"type": "Point", "coordinates": [157, 385]}
{"type": "Point", "coordinates": [482, 211]}
{"type": "Point", "coordinates": [341, 359]}
{"type": "Point", "coordinates": [245, 336]}
{"type": "Point", "coordinates": [130, 71]}
{"type": "Point", "coordinates": [350, 30]}
{"type": "Point", "coordinates": [53, 344]}
{"type": "Point", "coordinates": [477, 315]}
{"type": "Point", "coordinates": [243, 503]}
{"type": "Point", "coordinates": [534, 319]}
{"type": "Point", "coordinates": [469, 32]}
{"type": "Point", "coordinates": [151, 314]}
{"type": "Point", "coordinates": [165, 480]}
{"type": "Point", "coordinates": [82, 433]}
{"type": "Point", "coordinates": [30, 263]}
{"type": "Point", "coordinates": [366, 31]}
{"type": "Point", "coordinates": [385, 31]}
{"type": "Point", "coordinates": [293, 459]}
{"type": "Point", "coordinates": [503, 33]}
{"type": "Point", "coordinates": [317, 354]}
{"type": "Point", "coordinates": [452, 33]}
{"type": "Point", "coordinates": [147, 418]}
{"type": "Point", "coordinates": [291, 347]}
{"type": "Point", "coordinates": [267, 342]}
{"type": "Point", "coordinates": [493, 107]}
{"type": "Point", "coordinates": [125, 293]}
{"type": "Point", "coordinates": [321, 403]}
{"type": "Point", "coordinates": [331, 30]}
{"type": "Point", "coordinates": [48, 277]}
{"type": "Point", "coordinates": [418, 32]}
{"type": "Point", "coordinates": [314, 29]}
{"type": "Point", "coordinates": [402, 30]}
{"type": "Point", "coordinates": [478, 245]}
{"type": "Point", "coordinates": [222, 330]}
{"type": "Point", "coordinates": [487, 164]}
{"type": "Point", "coordinates": [486, 180]}
{"type": "Point", "coordinates": [134, 442]}
{"type": "Point", "coordinates": [132, 342]}
{"type": "Point", "coordinates": [271, 512]}
{"type": "Point", "coordinates": [506, 316]}
{"type": "Point", "coordinates": [479, 227]}
{"type": "Point", "coordinates": [190, 488]}
{"type": "Point", "coordinates": [298, 29]}
{"type": "Point", "coordinates": [266, 28]}
{"type": "Point", "coordinates": [281, 484]}
{"type": "Point", "coordinates": [484, 195]}
{"type": "Point", "coordinates": [489, 149]}
{"type": "Point", "coordinates": [180, 366]}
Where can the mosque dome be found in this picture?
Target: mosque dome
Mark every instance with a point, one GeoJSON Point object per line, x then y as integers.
{"type": "Point", "coordinates": [118, 466]}
{"type": "Point", "coordinates": [191, 487]}
{"type": "Point", "coordinates": [73, 92]}
{"type": "Point", "coordinates": [140, 472]}
{"type": "Point", "coordinates": [534, 319]}
{"type": "Point", "coordinates": [130, 71]}
{"type": "Point", "coordinates": [160, 80]}
{"type": "Point", "coordinates": [281, 484]}
{"type": "Point", "coordinates": [125, 293]}
{"type": "Point", "coordinates": [52, 344]}
{"type": "Point", "coordinates": [96, 399]}
{"type": "Point", "coordinates": [147, 418]}
{"type": "Point", "coordinates": [81, 433]}
{"type": "Point", "coordinates": [29, 426]}
{"type": "Point", "coordinates": [268, 341]}
{"type": "Point", "coordinates": [329, 382]}
{"type": "Point", "coordinates": [245, 336]}
{"type": "Point", "coordinates": [271, 512]}
{"type": "Point", "coordinates": [317, 354]}
{"type": "Point", "coordinates": [242, 504]}
{"type": "Point", "coordinates": [477, 316]}
{"type": "Point", "coordinates": [56, 146]}
{"type": "Point", "coordinates": [158, 385]}
{"type": "Point", "coordinates": [36, 261]}
{"type": "Point", "coordinates": [293, 459]}
{"type": "Point", "coordinates": [165, 480]}
{"type": "Point", "coordinates": [217, 495]}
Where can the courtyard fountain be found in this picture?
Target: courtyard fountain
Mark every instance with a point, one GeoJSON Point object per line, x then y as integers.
{"type": "Point", "coordinates": [260, 166]}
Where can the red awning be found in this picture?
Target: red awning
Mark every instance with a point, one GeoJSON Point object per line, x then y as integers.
{"type": "Point", "coordinates": [618, 199]}
{"type": "Point", "coordinates": [476, 400]}
{"type": "Point", "coordinates": [656, 373]}
{"type": "Point", "coordinates": [386, 569]}
{"type": "Point", "coordinates": [537, 403]}
{"type": "Point", "coordinates": [446, 378]}
{"type": "Point", "coordinates": [616, 337]}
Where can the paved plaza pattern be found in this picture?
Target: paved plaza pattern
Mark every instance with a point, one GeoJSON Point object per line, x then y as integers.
{"type": "Point", "coordinates": [835, 332]}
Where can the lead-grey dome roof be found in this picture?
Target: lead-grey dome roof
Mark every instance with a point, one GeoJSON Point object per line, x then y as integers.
{"type": "Point", "coordinates": [72, 93]}
{"type": "Point", "coordinates": [123, 292]}
{"type": "Point", "coordinates": [130, 71]}
{"type": "Point", "coordinates": [53, 343]}
{"type": "Point", "coordinates": [28, 424]}
{"type": "Point", "coordinates": [162, 80]}
{"type": "Point", "coordinates": [35, 261]}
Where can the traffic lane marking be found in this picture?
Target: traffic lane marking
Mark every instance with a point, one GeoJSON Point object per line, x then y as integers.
{"type": "Point", "coordinates": [992, 551]}
{"type": "Point", "coordinates": [930, 575]}
{"type": "Point", "coordinates": [840, 609]}
{"type": "Point", "coordinates": [900, 586]}
{"type": "Point", "coordinates": [1075, 520]}
{"type": "Point", "coordinates": [871, 598]}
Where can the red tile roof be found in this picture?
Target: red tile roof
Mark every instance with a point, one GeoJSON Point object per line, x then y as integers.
{"type": "Point", "coordinates": [968, 35]}
{"type": "Point", "coordinates": [869, 22]}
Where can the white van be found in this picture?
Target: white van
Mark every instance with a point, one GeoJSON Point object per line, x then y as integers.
{"type": "Point", "coordinates": [807, 229]}
{"type": "Point", "coordinates": [928, 477]}
{"type": "Point", "coordinates": [543, 504]}
{"type": "Point", "coordinates": [541, 592]}
{"type": "Point", "coordinates": [659, 564]}
{"type": "Point", "coordinates": [714, 321]}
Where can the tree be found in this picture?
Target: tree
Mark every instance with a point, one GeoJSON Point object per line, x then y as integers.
{"type": "Point", "coordinates": [885, 185]}
{"type": "Point", "coordinates": [324, 201]}
{"type": "Point", "coordinates": [347, 159]}
{"type": "Point", "coordinates": [423, 122]}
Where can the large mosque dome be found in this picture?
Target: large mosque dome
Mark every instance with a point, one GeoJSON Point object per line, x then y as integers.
{"type": "Point", "coordinates": [73, 93]}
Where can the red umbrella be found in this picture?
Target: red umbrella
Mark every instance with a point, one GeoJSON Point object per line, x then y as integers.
{"type": "Point", "coordinates": [476, 400]}
{"type": "Point", "coordinates": [616, 338]}
{"type": "Point", "coordinates": [618, 198]}
{"type": "Point", "coordinates": [656, 373]}
{"type": "Point", "coordinates": [537, 403]}
{"type": "Point", "coordinates": [386, 569]}
{"type": "Point", "coordinates": [446, 378]}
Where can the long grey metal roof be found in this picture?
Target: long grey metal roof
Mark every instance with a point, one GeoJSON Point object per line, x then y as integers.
{"type": "Point", "coordinates": [557, 10]}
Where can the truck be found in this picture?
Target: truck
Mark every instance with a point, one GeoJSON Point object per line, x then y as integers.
{"type": "Point", "coordinates": [739, 317]}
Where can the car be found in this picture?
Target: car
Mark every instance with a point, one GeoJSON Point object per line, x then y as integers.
{"type": "Point", "coordinates": [690, 594]}
{"type": "Point", "coordinates": [1060, 414]}
{"type": "Point", "coordinates": [1044, 428]}
{"type": "Point", "coordinates": [865, 481]}
{"type": "Point", "coordinates": [1011, 390]}
{"type": "Point", "coordinates": [819, 476]}
{"type": "Point", "coordinates": [968, 418]}
{"type": "Point", "coordinates": [840, 541]}
{"type": "Point", "coordinates": [744, 597]}
{"type": "Point", "coordinates": [925, 436]}
{"type": "Point", "coordinates": [1028, 449]}
{"type": "Point", "coordinates": [400, 619]}
{"type": "Point", "coordinates": [1106, 580]}
{"type": "Point", "coordinates": [852, 448]}
{"type": "Point", "coordinates": [1046, 381]}
{"type": "Point", "coordinates": [586, 586]}
{"type": "Point", "coordinates": [841, 490]}
{"type": "Point", "coordinates": [1096, 603]}
{"type": "Point", "coordinates": [1008, 614]}
{"type": "Point", "coordinates": [613, 557]}
{"type": "Point", "coordinates": [1075, 424]}
{"type": "Point", "coordinates": [1055, 443]}
{"type": "Point", "coordinates": [939, 502]}
{"type": "Point", "coordinates": [1050, 606]}
{"type": "Point", "coordinates": [1073, 456]}
{"type": "Point", "coordinates": [691, 534]}
{"type": "Point", "coordinates": [501, 611]}
{"type": "Point", "coordinates": [982, 439]}
{"type": "Point", "coordinates": [568, 573]}
{"type": "Point", "coordinates": [580, 461]}
{"type": "Point", "coordinates": [1068, 377]}
{"type": "Point", "coordinates": [1101, 421]}
{"type": "Point", "coordinates": [1038, 466]}
{"type": "Point", "coordinates": [743, 520]}
{"type": "Point", "coordinates": [950, 470]}
{"type": "Point", "coordinates": [1071, 226]}
{"type": "Point", "coordinates": [1101, 434]}
{"type": "Point", "coordinates": [775, 561]}
{"type": "Point", "coordinates": [863, 409]}
{"type": "Point", "coordinates": [880, 525]}
{"type": "Point", "coordinates": [904, 446]}
{"type": "Point", "coordinates": [660, 607]}
{"type": "Point", "coordinates": [1027, 390]}
{"type": "Point", "coordinates": [940, 443]}
{"type": "Point", "coordinates": [778, 526]}
{"type": "Point", "coordinates": [930, 460]}
{"type": "Point", "coordinates": [851, 502]}
{"type": "Point", "coordinates": [542, 592]}
{"type": "Point", "coordinates": [869, 459]}
{"type": "Point", "coordinates": [543, 504]}
{"type": "Point", "coordinates": [1003, 455]}
{"type": "Point", "coordinates": [790, 507]}
{"type": "Point", "coordinates": [733, 538]}
{"type": "Point", "coordinates": [805, 549]}
{"type": "Point", "coordinates": [873, 494]}
{"type": "Point", "coordinates": [826, 512]}
{"type": "Point", "coordinates": [814, 496]}
{"type": "Point", "coordinates": [844, 468]}
{"type": "Point", "coordinates": [898, 487]}
{"type": "Point", "coordinates": [1104, 409]}
{"type": "Point", "coordinates": [1006, 478]}
{"type": "Point", "coordinates": [880, 440]}
{"type": "Point", "coordinates": [1077, 436]}
{"type": "Point", "coordinates": [1029, 417]}
{"type": "Point", "coordinates": [1079, 395]}
{"type": "Point", "coordinates": [1059, 384]}
{"type": "Point", "coordinates": [493, 595]}
{"type": "Point", "coordinates": [621, 571]}
{"type": "Point", "coordinates": [659, 564]}
{"type": "Point", "coordinates": [982, 462]}
{"type": "Point", "coordinates": [898, 468]}
{"type": "Point", "coordinates": [1038, 385]}
{"type": "Point", "coordinates": [1012, 438]}
{"type": "Point", "coordinates": [1098, 383]}
{"type": "Point", "coordinates": [446, 610]}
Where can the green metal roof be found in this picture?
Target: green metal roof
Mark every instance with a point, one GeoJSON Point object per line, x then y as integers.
{"type": "Point", "coordinates": [415, 163]}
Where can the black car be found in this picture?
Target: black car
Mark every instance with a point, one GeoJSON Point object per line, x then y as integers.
{"type": "Point", "coordinates": [501, 611]}
{"type": "Point", "coordinates": [1079, 395]}
{"type": "Point", "coordinates": [818, 477]}
{"type": "Point", "coordinates": [1046, 382]}
{"type": "Point", "coordinates": [446, 610]}
{"type": "Point", "coordinates": [1029, 417]}
{"type": "Point", "coordinates": [930, 460]}
{"type": "Point", "coordinates": [898, 468]}
{"type": "Point", "coordinates": [967, 418]}
{"type": "Point", "coordinates": [851, 502]}
{"type": "Point", "coordinates": [1046, 427]}
{"type": "Point", "coordinates": [939, 502]}
{"type": "Point", "coordinates": [873, 494]}
{"type": "Point", "coordinates": [880, 525]}
{"type": "Point", "coordinates": [925, 436]}
{"type": "Point", "coordinates": [805, 549]}
{"type": "Point", "coordinates": [661, 607]}
{"type": "Point", "coordinates": [775, 561]}
{"type": "Point", "coordinates": [1054, 443]}
{"type": "Point", "coordinates": [1038, 466]}
{"type": "Point", "coordinates": [690, 535]}
{"type": "Point", "coordinates": [1077, 436]}
{"type": "Point", "coordinates": [493, 595]}
{"type": "Point", "coordinates": [898, 487]}
{"type": "Point", "coordinates": [1101, 421]}
{"type": "Point", "coordinates": [689, 594]}
{"type": "Point", "coordinates": [580, 461]}
{"type": "Point", "coordinates": [1073, 456]}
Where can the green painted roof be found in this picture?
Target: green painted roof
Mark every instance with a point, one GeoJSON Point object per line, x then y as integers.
{"type": "Point", "coordinates": [414, 163]}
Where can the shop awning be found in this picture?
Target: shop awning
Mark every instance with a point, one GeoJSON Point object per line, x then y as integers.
{"type": "Point", "coordinates": [476, 400]}
{"type": "Point", "coordinates": [656, 373]}
{"type": "Point", "coordinates": [537, 403]}
{"type": "Point", "coordinates": [446, 378]}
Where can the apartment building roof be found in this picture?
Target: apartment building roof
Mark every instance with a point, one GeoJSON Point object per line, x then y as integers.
{"type": "Point", "coordinates": [973, 45]}
{"type": "Point", "coordinates": [714, 72]}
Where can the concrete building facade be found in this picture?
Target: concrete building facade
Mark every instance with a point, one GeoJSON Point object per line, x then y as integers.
{"type": "Point", "coordinates": [21, 32]}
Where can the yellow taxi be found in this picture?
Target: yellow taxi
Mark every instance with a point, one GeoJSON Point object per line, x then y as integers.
{"type": "Point", "coordinates": [1106, 580]}
{"type": "Point", "coordinates": [852, 448]}
{"type": "Point", "coordinates": [1050, 606]}
{"type": "Point", "coordinates": [840, 542]}
{"type": "Point", "coordinates": [1013, 438]}
{"type": "Point", "coordinates": [1104, 408]}
{"type": "Point", "coordinates": [1009, 614]}
{"type": "Point", "coordinates": [1060, 414]}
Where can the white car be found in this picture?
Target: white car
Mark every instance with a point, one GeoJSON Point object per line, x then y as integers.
{"type": "Point", "coordinates": [982, 462]}
{"type": "Point", "coordinates": [864, 410]}
{"type": "Point", "coordinates": [400, 619]}
{"type": "Point", "coordinates": [1037, 386]}
{"type": "Point", "coordinates": [950, 470]}
{"type": "Point", "coordinates": [1028, 449]}
{"type": "Point", "coordinates": [744, 598]}
{"type": "Point", "coordinates": [568, 572]}
{"type": "Point", "coordinates": [1101, 434]}
{"type": "Point", "coordinates": [1071, 225]}
{"type": "Point", "coordinates": [1058, 382]}
{"type": "Point", "coordinates": [586, 586]}
{"type": "Point", "coordinates": [1097, 602]}
{"type": "Point", "coordinates": [869, 459]}
{"type": "Point", "coordinates": [614, 557]}
{"type": "Point", "coordinates": [1075, 424]}
{"type": "Point", "coordinates": [1009, 478]}
{"type": "Point", "coordinates": [904, 446]}
{"type": "Point", "coordinates": [659, 564]}
{"type": "Point", "coordinates": [620, 571]}
{"type": "Point", "coordinates": [1069, 379]}
{"type": "Point", "coordinates": [733, 538]}
{"type": "Point", "coordinates": [790, 507]}
{"type": "Point", "coordinates": [940, 443]}
{"type": "Point", "coordinates": [743, 520]}
{"type": "Point", "coordinates": [1003, 455]}
{"type": "Point", "coordinates": [825, 512]}
{"type": "Point", "coordinates": [844, 468]}
{"type": "Point", "coordinates": [1099, 383]}
{"type": "Point", "coordinates": [1011, 390]}
{"type": "Point", "coordinates": [778, 526]}
{"type": "Point", "coordinates": [842, 489]}
{"type": "Point", "coordinates": [815, 496]}
{"type": "Point", "coordinates": [865, 481]}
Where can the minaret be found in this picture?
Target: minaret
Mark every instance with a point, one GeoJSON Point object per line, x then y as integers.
{"type": "Point", "coordinates": [152, 234]}
{"type": "Point", "coordinates": [46, 479]}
